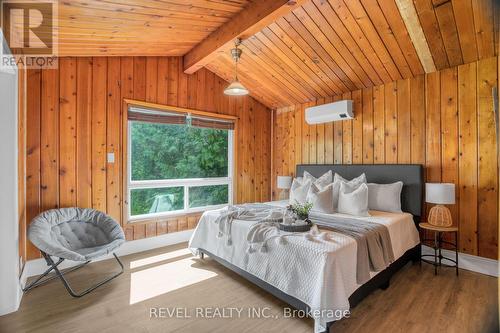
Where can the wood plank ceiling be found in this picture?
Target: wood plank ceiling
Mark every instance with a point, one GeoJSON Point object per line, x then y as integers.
{"type": "Point", "coordinates": [329, 47]}
{"type": "Point", "coordinates": [307, 49]}
{"type": "Point", "coordinates": [139, 27]}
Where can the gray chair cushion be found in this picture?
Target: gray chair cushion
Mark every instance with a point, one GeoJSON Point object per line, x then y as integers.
{"type": "Point", "coordinates": [75, 233]}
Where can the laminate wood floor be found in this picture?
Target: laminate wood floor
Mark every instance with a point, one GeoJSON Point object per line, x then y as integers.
{"type": "Point", "coordinates": [172, 279]}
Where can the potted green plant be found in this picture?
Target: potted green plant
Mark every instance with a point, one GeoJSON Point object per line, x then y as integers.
{"type": "Point", "coordinates": [302, 211]}
{"type": "Point", "coordinates": [300, 218]}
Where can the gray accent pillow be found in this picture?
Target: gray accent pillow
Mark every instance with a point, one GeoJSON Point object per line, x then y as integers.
{"type": "Point", "coordinates": [385, 197]}
{"type": "Point", "coordinates": [353, 202]}
{"type": "Point", "coordinates": [322, 199]}
{"type": "Point", "coordinates": [299, 190]}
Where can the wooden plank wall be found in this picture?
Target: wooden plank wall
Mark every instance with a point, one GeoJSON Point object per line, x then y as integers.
{"type": "Point", "coordinates": [74, 119]}
{"type": "Point", "coordinates": [443, 120]}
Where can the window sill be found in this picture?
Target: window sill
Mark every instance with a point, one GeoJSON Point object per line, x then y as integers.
{"type": "Point", "coordinates": [171, 215]}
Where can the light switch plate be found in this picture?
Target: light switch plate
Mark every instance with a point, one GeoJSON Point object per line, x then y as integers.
{"type": "Point", "coordinates": [111, 157]}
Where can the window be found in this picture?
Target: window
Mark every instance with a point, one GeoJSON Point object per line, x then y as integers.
{"type": "Point", "coordinates": [177, 163]}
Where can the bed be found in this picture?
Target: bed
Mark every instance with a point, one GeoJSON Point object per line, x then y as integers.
{"type": "Point", "coordinates": [333, 286]}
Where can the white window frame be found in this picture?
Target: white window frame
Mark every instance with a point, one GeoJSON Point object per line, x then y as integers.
{"type": "Point", "coordinates": [186, 183]}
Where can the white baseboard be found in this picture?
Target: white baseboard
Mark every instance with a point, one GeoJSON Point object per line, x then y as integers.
{"type": "Point", "coordinates": [38, 266]}
{"type": "Point", "coordinates": [469, 262]}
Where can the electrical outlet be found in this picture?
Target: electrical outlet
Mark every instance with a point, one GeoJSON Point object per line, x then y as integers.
{"type": "Point", "coordinates": [111, 157]}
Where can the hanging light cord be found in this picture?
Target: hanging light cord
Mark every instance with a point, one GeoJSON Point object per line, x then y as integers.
{"type": "Point", "coordinates": [236, 54]}
{"type": "Point", "coordinates": [236, 57]}
{"type": "Point", "coordinates": [236, 69]}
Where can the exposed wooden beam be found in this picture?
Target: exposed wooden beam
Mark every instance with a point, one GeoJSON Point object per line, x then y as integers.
{"type": "Point", "coordinates": [256, 16]}
{"type": "Point", "coordinates": [410, 17]}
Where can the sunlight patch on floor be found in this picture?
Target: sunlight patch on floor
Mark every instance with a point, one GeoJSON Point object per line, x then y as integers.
{"type": "Point", "coordinates": [158, 258]}
{"type": "Point", "coordinates": [161, 279]}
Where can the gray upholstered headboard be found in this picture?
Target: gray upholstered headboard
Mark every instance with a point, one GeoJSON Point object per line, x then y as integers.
{"type": "Point", "coordinates": [412, 176]}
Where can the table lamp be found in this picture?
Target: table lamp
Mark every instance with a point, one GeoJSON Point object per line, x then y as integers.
{"type": "Point", "coordinates": [440, 194]}
{"type": "Point", "coordinates": [284, 183]}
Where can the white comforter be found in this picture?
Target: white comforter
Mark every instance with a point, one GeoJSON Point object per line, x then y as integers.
{"type": "Point", "coordinates": [319, 271]}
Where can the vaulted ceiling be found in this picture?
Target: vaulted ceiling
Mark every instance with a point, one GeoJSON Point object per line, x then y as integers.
{"type": "Point", "coordinates": [293, 51]}
{"type": "Point", "coordinates": [326, 47]}
{"type": "Point", "coordinates": [139, 27]}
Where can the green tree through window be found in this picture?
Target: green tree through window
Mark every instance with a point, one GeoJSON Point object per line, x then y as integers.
{"type": "Point", "coordinates": [169, 151]}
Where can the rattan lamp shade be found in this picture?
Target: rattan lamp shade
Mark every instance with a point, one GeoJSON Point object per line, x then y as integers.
{"type": "Point", "coordinates": [440, 194]}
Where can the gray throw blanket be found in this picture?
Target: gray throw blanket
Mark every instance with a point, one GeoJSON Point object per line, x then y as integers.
{"type": "Point", "coordinates": [374, 243]}
{"type": "Point", "coordinates": [248, 212]}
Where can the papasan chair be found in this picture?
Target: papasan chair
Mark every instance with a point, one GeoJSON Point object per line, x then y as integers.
{"type": "Point", "coordinates": [74, 234]}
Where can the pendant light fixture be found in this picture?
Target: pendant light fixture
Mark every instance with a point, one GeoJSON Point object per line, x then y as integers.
{"type": "Point", "coordinates": [235, 88]}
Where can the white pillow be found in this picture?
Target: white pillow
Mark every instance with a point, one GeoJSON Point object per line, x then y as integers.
{"type": "Point", "coordinates": [349, 187]}
{"type": "Point", "coordinates": [353, 183]}
{"type": "Point", "coordinates": [385, 197]}
{"type": "Point", "coordinates": [322, 199]}
{"type": "Point", "coordinates": [355, 202]}
{"type": "Point", "coordinates": [298, 191]}
{"type": "Point", "coordinates": [321, 182]}
{"type": "Point", "coordinates": [358, 180]}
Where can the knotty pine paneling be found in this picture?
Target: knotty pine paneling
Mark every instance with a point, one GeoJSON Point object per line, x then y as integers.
{"type": "Point", "coordinates": [442, 120]}
{"type": "Point", "coordinates": [117, 28]}
{"type": "Point", "coordinates": [74, 118]}
{"type": "Point", "coordinates": [331, 47]}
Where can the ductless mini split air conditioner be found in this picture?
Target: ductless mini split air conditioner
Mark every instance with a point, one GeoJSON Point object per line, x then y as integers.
{"type": "Point", "coordinates": [341, 110]}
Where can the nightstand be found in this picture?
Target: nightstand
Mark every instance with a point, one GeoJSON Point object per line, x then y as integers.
{"type": "Point", "coordinates": [438, 242]}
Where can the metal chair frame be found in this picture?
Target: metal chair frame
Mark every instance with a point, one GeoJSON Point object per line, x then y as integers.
{"type": "Point", "coordinates": [53, 266]}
